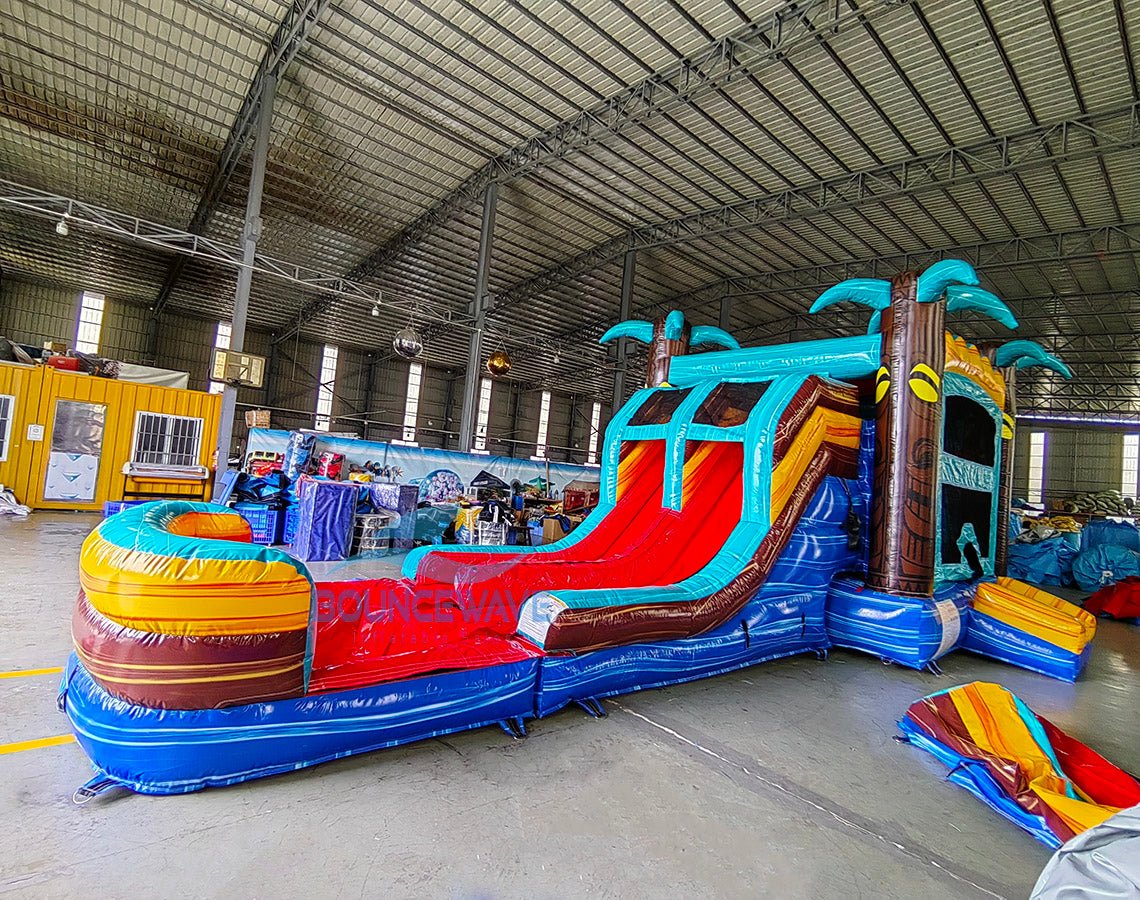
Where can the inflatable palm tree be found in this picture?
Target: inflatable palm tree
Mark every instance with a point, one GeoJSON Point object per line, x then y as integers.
{"type": "Point", "coordinates": [667, 337]}
{"type": "Point", "coordinates": [910, 312]}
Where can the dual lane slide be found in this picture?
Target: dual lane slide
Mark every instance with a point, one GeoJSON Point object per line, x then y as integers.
{"type": "Point", "coordinates": [637, 570]}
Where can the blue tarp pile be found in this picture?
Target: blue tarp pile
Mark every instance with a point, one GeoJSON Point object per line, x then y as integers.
{"type": "Point", "coordinates": [1046, 562]}
{"type": "Point", "coordinates": [1103, 565]}
{"type": "Point", "coordinates": [1102, 532]}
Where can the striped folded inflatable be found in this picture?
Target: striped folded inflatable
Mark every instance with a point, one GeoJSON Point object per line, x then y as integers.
{"type": "Point", "coordinates": [1017, 762]}
{"type": "Point", "coordinates": [180, 611]}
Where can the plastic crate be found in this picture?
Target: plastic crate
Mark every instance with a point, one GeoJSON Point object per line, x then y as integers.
{"type": "Point", "coordinates": [117, 506]}
{"type": "Point", "coordinates": [265, 523]}
{"type": "Point", "coordinates": [292, 519]}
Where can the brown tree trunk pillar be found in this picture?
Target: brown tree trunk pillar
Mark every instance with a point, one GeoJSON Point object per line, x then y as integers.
{"type": "Point", "coordinates": [661, 351]}
{"type": "Point", "coordinates": [908, 440]}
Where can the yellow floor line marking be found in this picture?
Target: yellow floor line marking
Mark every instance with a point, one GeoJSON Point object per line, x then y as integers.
{"type": "Point", "coordinates": [37, 743]}
{"type": "Point", "coordinates": [26, 673]}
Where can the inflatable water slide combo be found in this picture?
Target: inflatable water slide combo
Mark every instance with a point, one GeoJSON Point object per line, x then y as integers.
{"type": "Point", "coordinates": [756, 503]}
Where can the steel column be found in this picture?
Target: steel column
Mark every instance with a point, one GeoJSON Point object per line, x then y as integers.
{"type": "Point", "coordinates": [479, 313]}
{"type": "Point", "coordinates": [628, 274]}
{"type": "Point", "coordinates": [250, 234]}
{"type": "Point", "coordinates": [725, 312]}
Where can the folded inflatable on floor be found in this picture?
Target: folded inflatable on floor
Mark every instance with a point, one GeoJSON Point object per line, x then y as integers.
{"type": "Point", "coordinates": [1017, 762]}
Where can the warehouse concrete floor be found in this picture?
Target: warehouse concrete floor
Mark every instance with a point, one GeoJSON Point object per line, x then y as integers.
{"type": "Point", "coordinates": [780, 780]}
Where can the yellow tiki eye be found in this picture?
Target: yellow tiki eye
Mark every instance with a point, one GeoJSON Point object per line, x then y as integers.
{"type": "Point", "coordinates": [882, 383]}
{"type": "Point", "coordinates": [1006, 426]}
{"type": "Point", "coordinates": [924, 382]}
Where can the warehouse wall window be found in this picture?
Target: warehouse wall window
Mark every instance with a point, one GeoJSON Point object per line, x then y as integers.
{"type": "Point", "coordinates": [326, 387]}
{"type": "Point", "coordinates": [1036, 466]}
{"type": "Point", "coordinates": [483, 417]}
{"type": "Point", "coordinates": [90, 325]}
{"type": "Point", "coordinates": [412, 402]}
{"type": "Point", "coordinates": [166, 440]}
{"type": "Point", "coordinates": [7, 411]}
{"type": "Point", "coordinates": [222, 342]}
{"type": "Point", "coordinates": [595, 422]}
{"type": "Point", "coordinates": [543, 426]}
{"type": "Point", "coordinates": [1130, 470]}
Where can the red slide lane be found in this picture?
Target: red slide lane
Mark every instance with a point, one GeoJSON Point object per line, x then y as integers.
{"type": "Point", "coordinates": [657, 546]}
{"type": "Point", "coordinates": [662, 548]}
{"type": "Point", "coordinates": [640, 482]}
{"type": "Point", "coordinates": [398, 625]}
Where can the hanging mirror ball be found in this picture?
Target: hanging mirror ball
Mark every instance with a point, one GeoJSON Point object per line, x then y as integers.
{"type": "Point", "coordinates": [407, 343]}
{"type": "Point", "coordinates": [499, 363]}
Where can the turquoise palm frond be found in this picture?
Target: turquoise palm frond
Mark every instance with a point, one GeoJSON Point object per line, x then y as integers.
{"type": "Point", "coordinates": [710, 334]}
{"type": "Point", "coordinates": [961, 297]}
{"type": "Point", "coordinates": [637, 329]}
{"type": "Point", "coordinates": [1023, 354]}
{"type": "Point", "coordinates": [872, 292]}
{"type": "Point", "coordinates": [674, 325]}
{"type": "Point", "coordinates": [933, 283]}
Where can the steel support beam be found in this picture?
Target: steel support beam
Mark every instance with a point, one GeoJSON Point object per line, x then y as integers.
{"type": "Point", "coordinates": [479, 305]}
{"type": "Point", "coordinates": [250, 234]}
{"type": "Point", "coordinates": [988, 256]}
{"type": "Point", "coordinates": [724, 314]}
{"type": "Point", "coordinates": [131, 229]}
{"type": "Point", "coordinates": [1082, 137]}
{"type": "Point", "coordinates": [768, 39]}
{"type": "Point", "coordinates": [628, 276]}
{"type": "Point", "coordinates": [287, 40]}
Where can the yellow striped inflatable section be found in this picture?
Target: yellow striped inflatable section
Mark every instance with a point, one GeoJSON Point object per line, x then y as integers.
{"type": "Point", "coordinates": [187, 568]}
{"type": "Point", "coordinates": [1036, 612]}
{"type": "Point", "coordinates": [823, 425]}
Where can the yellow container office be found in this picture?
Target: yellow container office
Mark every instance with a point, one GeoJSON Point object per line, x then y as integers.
{"type": "Point", "coordinates": [65, 438]}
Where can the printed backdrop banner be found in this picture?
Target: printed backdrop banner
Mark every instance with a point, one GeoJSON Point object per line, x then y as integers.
{"type": "Point", "coordinates": [440, 474]}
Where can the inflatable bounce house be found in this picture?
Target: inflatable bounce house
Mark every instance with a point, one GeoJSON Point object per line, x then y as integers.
{"type": "Point", "coordinates": [756, 503]}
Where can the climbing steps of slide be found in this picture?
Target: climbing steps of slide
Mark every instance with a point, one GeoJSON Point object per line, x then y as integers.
{"type": "Point", "coordinates": [1016, 623]}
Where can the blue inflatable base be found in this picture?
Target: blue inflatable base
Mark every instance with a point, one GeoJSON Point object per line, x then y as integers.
{"type": "Point", "coordinates": [993, 638]}
{"type": "Point", "coordinates": [974, 777]}
{"type": "Point", "coordinates": [163, 751]}
{"type": "Point", "coordinates": [910, 631]}
{"type": "Point", "coordinates": [766, 630]}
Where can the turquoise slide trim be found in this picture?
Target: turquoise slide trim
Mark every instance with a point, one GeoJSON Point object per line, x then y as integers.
{"type": "Point", "coordinates": [745, 537]}
{"type": "Point", "coordinates": [713, 433]}
{"type": "Point", "coordinates": [675, 436]}
{"type": "Point", "coordinates": [616, 432]}
{"type": "Point", "coordinates": [646, 433]}
{"type": "Point", "coordinates": [842, 358]}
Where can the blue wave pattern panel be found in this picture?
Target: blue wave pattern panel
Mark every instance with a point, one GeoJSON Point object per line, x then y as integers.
{"type": "Point", "coordinates": [164, 751]}
{"type": "Point", "coordinates": [910, 631]}
{"type": "Point", "coordinates": [989, 636]}
{"type": "Point", "coordinates": [784, 618]}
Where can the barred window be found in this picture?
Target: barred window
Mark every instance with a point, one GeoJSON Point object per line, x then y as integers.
{"type": "Point", "coordinates": [7, 410]}
{"type": "Point", "coordinates": [167, 440]}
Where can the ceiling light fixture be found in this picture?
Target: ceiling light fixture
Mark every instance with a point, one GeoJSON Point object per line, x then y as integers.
{"type": "Point", "coordinates": [375, 311]}
{"type": "Point", "coordinates": [61, 227]}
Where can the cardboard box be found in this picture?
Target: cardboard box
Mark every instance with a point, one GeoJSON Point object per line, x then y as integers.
{"type": "Point", "coordinates": [552, 531]}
